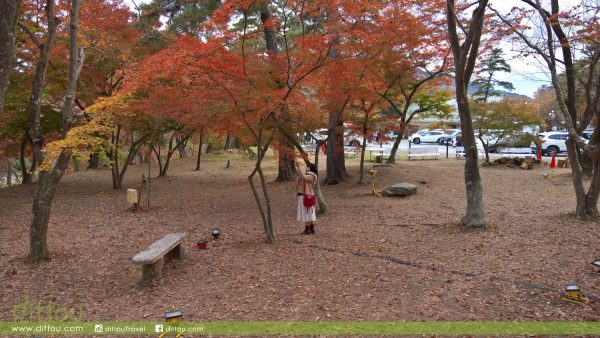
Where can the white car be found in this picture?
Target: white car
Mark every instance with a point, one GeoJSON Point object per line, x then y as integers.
{"type": "Point", "coordinates": [553, 142]}
{"type": "Point", "coordinates": [427, 137]}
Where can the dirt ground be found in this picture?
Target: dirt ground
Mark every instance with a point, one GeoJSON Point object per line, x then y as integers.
{"type": "Point", "coordinates": [373, 259]}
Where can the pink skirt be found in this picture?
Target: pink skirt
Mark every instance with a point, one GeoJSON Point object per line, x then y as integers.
{"type": "Point", "coordinates": [305, 214]}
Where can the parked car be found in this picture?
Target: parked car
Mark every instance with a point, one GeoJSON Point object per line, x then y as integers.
{"type": "Point", "coordinates": [427, 137]}
{"type": "Point", "coordinates": [553, 142]}
{"type": "Point", "coordinates": [450, 139]}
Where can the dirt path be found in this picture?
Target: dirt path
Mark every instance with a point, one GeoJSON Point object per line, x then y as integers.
{"type": "Point", "coordinates": [378, 259]}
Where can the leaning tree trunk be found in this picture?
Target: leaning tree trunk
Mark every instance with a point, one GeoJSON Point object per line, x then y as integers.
{"type": "Point", "coordinates": [164, 169]}
{"type": "Point", "coordinates": [396, 145]}
{"type": "Point", "coordinates": [8, 22]}
{"type": "Point", "coordinates": [486, 148]}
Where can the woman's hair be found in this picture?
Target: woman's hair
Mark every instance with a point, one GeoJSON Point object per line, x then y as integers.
{"type": "Point", "coordinates": [313, 169]}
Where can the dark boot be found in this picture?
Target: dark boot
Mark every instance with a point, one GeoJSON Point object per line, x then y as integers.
{"type": "Point", "coordinates": [306, 231]}
{"type": "Point", "coordinates": [312, 228]}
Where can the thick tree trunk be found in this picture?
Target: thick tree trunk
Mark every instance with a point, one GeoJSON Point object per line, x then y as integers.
{"type": "Point", "coordinates": [475, 214]}
{"type": "Point", "coordinates": [336, 165]}
{"type": "Point", "coordinates": [42, 201]}
{"type": "Point", "coordinates": [323, 208]}
{"type": "Point", "coordinates": [285, 161]}
{"type": "Point", "coordinates": [586, 203]}
{"type": "Point", "coordinates": [8, 22]}
{"type": "Point", "coordinates": [94, 161]}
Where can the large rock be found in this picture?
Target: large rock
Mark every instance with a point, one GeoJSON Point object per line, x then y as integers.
{"type": "Point", "coordinates": [400, 189]}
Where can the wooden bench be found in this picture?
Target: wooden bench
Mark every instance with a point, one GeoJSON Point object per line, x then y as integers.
{"type": "Point", "coordinates": [423, 152]}
{"type": "Point", "coordinates": [153, 258]}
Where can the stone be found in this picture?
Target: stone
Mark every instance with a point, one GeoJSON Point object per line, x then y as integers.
{"type": "Point", "coordinates": [527, 165]}
{"type": "Point", "coordinates": [400, 189]}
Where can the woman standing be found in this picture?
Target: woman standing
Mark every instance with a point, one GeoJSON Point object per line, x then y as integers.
{"type": "Point", "coordinates": [307, 177]}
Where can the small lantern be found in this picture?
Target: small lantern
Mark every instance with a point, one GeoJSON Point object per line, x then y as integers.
{"type": "Point", "coordinates": [132, 197]}
{"type": "Point", "coordinates": [573, 294]}
{"type": "Point", "coordinates": [174, 317]}
{"type": "Point", "coordinates": [216, 233]}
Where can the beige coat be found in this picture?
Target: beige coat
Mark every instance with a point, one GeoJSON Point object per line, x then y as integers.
{"type": "Point", "coordinates": [305, 180]}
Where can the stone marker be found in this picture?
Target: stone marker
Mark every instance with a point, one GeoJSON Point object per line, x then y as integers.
{"type": "Point", "coordinates": [400, 189]}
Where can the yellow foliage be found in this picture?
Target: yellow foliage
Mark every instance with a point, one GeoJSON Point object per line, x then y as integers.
{"type": "Point", "coordinates": [89, 137]}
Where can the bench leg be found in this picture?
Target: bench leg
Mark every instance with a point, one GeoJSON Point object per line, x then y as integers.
{"type": "Point", "coordinates": [151, 271]}
{"type": "Point", "coordinates": [175, 253]}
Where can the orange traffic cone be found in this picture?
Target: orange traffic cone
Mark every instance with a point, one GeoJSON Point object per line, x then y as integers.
{"type": "Point", "coordinates": [539, 154]}
{"type": "Point", "coordinates": [553, 162]}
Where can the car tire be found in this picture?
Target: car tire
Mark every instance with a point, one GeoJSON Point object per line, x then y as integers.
{"type": "Point", "coordinates": [552, 149]}
{"type": "Point", "coordinates": [417, 140]}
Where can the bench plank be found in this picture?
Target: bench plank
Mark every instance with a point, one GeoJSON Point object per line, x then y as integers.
{"type": "Point", "coordinates": [158, 249]}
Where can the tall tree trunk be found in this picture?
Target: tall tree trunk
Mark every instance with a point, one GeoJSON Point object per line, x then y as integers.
{"type": "Point", "coordinates": [475, 213]}
{"type": "Point", "coordinates": [114, 158]}
{"type": "Point", "coordinates": [25, 173]}
{"type": "Point", "coordinates": [199, 150]}
{"type": "Point", "coordinates": [48, 180]}
{"type": "Point", "coordinates": [156, 151]}
{"type": "Point", "coordinates": [8, 22]}
{"type": "Point", "coordinates": [336, 165]}
{"type": "Point", "coordinates": [9, 171]}
{"type": "Point", "coordinates": [465, 57]}
{"type": "Point", "coordinates": [363, 148]}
